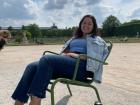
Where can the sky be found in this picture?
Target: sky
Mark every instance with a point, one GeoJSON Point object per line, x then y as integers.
{"type": "Point", "coordinates": [65, 13]}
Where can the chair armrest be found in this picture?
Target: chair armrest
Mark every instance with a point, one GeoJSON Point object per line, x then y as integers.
{"type": "Point", "coordinates": [88, 57]}
{"type": "Point", "coordinates": [104, 62]}
{"type": "Point", "coordinates": [83, 57]}
{"type": "Point", "coordinates": [50, 52]}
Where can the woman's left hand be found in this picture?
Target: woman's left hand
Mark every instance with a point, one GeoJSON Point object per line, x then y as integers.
{"type": "Point", "coordinates": [72, 55]}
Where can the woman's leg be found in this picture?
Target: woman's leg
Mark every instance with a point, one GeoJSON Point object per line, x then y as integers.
{"type": "Point", "coordinates": [20, 93]}
{"type": "Point", "coordinates": [18, 103]}
{"type": "Point", "coordinates": [54, 66]}
{"type": "Point", "coordinates": [35, 100]}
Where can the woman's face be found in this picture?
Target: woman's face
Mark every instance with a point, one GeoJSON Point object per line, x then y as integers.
{"type": "Point", "coordinates": [87, 25]}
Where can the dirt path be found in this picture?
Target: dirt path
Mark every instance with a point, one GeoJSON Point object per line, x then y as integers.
{"type": "Point", "coordinates": [121, 78]}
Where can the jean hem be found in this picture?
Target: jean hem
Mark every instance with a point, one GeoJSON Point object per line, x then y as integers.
{"type": "Point", "coordinates": [18, 99]}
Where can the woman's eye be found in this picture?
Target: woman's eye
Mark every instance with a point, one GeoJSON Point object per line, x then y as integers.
{"type": "Point", "coordinates": [84, 22]}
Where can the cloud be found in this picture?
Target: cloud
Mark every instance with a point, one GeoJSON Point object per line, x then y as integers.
{"type": "Point", "coordinates": [77, 13]}
{"type": "Point", "coordinates": [64, 13]}
{"type": "Point", "coordinates": [126, 1]}
{"type": "Point", "coordinates": [136, 13]}
{"type": "Point", "coordinates": [55, 4]}
{"type": "Point", "coordinates": [15, 9]}
{"type": "Point", "coordinates": [78, 4]}
{"type": "Point", "coordinates": [86, 3]}
{"type": "Point", "coordinates": [93, 2]}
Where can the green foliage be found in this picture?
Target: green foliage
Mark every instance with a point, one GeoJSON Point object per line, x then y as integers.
{"type": "Point", "coordinates": [57, 32]}
{"type": "Point", "coordinates": [35, 31]}
{"type": "Point", "coordinates": [18, 36]}
{"type": "Point", "coordinates": [109, 25]}
{"type": "Point", "coordinates": [23, 27]}
{"type": "Point", "coordinates": [13, 33]}
{"type": "Point", "coordinates": [10, 28]}
{"type": "Point", "coordinates": [28, 34]}
{"type": "Point", "coordinates": [128, 29]}
{"type": "Point", "coordinates": [131, 22]}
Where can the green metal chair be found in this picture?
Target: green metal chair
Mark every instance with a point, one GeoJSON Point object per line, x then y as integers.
{"type": "Point", "coordinates": [72, 81]}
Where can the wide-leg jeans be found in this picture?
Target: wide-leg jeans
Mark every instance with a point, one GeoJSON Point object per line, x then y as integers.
{"type": "Point", "coordinates": [37, 75]}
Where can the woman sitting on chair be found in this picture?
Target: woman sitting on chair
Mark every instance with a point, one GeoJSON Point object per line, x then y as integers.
{"type": "Point", "coordinates": [38, 74]}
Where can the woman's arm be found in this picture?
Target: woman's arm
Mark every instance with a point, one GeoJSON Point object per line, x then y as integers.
{"type": "Point", "coordinates": [72, 54]}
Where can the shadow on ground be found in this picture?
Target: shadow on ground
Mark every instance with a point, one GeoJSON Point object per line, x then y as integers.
{"type": "Point", "coordinates": [64, 100]}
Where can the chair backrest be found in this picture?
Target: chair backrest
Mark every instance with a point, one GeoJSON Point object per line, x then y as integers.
{"type": "Point", "coordinates": [109, 46]}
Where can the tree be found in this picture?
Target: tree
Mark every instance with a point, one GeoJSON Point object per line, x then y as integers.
{"type": "Point", "coordinates": [23, 27]}
{"type": "Point", "coordinates": [18, 36]}
{"type": "Point", "coordinates": [28, 34]}
{"type": "Point", "coordinates": [134, 21]}
{"type": "Point", "coordinates": [109, 25]}
{"type": "Point", "coordinates": [35, 31]}
{"type": "Point", "coordinates": [10, 28]}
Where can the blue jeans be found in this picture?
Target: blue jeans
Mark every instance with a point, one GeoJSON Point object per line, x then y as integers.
{"type": "Point", "coordinates": [38, 74]}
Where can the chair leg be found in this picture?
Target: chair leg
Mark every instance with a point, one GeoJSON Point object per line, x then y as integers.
{"type": "Point", "coordinates": [52, 89]}
{"type": "Point", "coordinates": [52, 97]}
{"type": "Point", "coordinates": [97, 93]}
{"type": "Point", "coordinates": [69, 89]}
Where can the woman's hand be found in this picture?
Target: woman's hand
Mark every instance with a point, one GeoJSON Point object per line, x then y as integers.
{"type": "Point", "coordinates": [72, 55]}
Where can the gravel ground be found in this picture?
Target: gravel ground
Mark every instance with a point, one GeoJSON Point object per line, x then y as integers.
{"type": "Point", "coordinates": [121, 78]}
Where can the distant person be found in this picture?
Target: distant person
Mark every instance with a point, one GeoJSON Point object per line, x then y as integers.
{"type": "Point", "coordinates": [4, 35]}
{"type": "Point", "coordinates": [37, 75]}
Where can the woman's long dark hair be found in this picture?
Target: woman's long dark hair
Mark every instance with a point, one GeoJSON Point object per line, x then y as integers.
{"type": "Point", "coordinates": [79, 33]}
